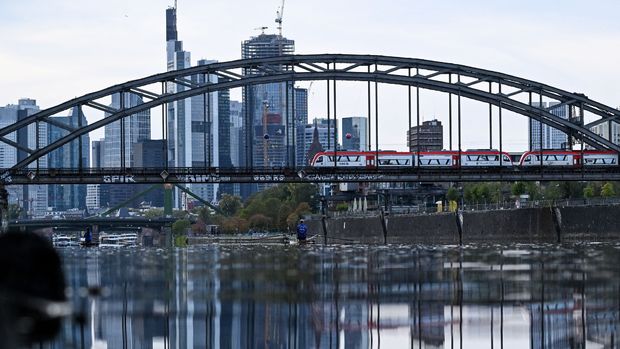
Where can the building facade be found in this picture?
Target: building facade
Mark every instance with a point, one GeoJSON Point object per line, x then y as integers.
{"type": "Point", "coordinates": [426, 137]}
{"type": "Point", "coordinates": [267, 141]}
{"type": "Point", "coordinates": [120, 136]}
{"type": "Point", "coordinates": [198, 127]}
{"type": "Point", "coordinates": [33, 199]}
{"type": "Point", "coordinates": [551, 137]}
{"type": "Point", "coordinates": [604, 129]}
{"type": "Point", "coordinates": [324, 136]}
{"type": "Point", "coordinates": [301, 120]}
{"type": "Point", "coordinates": [63, 197]}
{"type": "Point", "coordinates": [354, 133]}
{"type": "Point", "coordinates": [150, 154]}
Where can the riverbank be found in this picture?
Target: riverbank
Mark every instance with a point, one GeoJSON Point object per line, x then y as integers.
{"type": "Point", "coordinates": [523, 225]}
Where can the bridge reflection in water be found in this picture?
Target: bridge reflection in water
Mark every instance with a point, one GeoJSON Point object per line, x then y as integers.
{"type": "Point", "coordinates": [344, 297]}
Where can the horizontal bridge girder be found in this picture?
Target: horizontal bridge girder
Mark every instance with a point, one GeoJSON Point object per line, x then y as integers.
{"type": "Point", "coordinates": [306, 175]}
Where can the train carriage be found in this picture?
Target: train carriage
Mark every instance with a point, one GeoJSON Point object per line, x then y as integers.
{"type": "Point", "coordinates": [485, 158]}
{"type": "Point", "coordinates": [568, 158]}
{"type": "Point", "coordinates": [466, 159]}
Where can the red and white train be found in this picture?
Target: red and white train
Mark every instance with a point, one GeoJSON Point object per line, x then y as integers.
{"type": "Point", "coordinates": [467, 158]}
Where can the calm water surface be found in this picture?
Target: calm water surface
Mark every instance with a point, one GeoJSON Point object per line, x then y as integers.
{"type": "Point", "coordinates": [491, 296]}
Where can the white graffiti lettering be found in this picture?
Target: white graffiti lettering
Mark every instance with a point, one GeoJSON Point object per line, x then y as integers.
{"type": "Point", "coordinates": [118, 179]}
{"type": "Point", "coordinates": [269, 178]}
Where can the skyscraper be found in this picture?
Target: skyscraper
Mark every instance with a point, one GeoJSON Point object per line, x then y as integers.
{"type": "Point", "coordinates": [64, 197]}
{"type": "Point", "coordinates": [150, 154]}
{"type": "Point", "coordinates": [301, 120]}
{"type": "Point", "coordinates": [354, 134]}
{"type": "Point", "coordinates": [268, 136]}
{"type": "Point", "coordinates": [551, 137]}
{"type": "Point", "coordinates": [133, 129]}
{"type": "Point", "coordinates": [198, 127]}
{"type": "Point", "coordinates": [179, 112]}
{"type": "Point", "coordinates": [32, 198]}
{"type": "Point", "coordinates": [136, 128]}
{"type": "Point", "coordinates": [236, 132]}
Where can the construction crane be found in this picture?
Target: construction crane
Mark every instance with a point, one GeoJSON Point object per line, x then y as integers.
{"type": "Point", "coordinates": [279, 15]}
{"type": "Point", "coordinates": [262, 29]}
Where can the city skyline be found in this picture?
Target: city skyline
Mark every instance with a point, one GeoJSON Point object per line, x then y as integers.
{"type": "Point", "coordinates": [554, 51]}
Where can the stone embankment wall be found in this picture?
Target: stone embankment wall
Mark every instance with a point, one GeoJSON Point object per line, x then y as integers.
{"type": "Point", "coordinates": [528, 225]}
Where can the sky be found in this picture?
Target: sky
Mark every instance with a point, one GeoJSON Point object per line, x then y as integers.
{"type": "Point", "coordinates": [53, 51]}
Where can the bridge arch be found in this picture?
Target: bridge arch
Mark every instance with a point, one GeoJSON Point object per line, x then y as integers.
{"type": "Point", "coordinates": [414, 72]}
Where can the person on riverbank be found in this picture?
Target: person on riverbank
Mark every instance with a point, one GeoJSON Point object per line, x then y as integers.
{"type": "Point", "coordinates": [302, 230]}
{"type": "Point", "coordinates": [88, 236]}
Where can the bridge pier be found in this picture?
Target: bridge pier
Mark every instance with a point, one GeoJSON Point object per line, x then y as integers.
{"type": "Point", "coordinates": [168, 200]}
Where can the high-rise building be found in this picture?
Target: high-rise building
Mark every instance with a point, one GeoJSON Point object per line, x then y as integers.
{"type": "Point", "coordinates": [236, 132]}
{"type": "Point", "coordinates": [136, 128]}
{"type": "Point", "coordinates": [354, 134]}
{"type": "Point", "coordinates": [198, 127]}
{"type": "Point", "coordinates": [603, 131]}
{"type": "Point", "coordinates": [551, 137]}
{"type": "Point", "coordinates": [237, 140]}
{"type": "Point", "coordinates": [301, 120]}
{"type": "Point", "coordinates": [179, 112]}
{"type": "Point", "coordinates": [324, 136]}
{"type": "Point", "coordinates": [133, 129]}
{"type": "Point", "coordinates": [150, 154]}
{"type": "Point", "coordinates": [97, 153]}
{"type": "Point", "coordinates": [67, 196]}
{"type": "Point", "coordinates": [92, 197]}
{"type": "Point", "coordinates": [264, 134]}
{"type": "Point", "coordinates": [426, 137]}
{"type": "Point", "coordinates": [32, 198]}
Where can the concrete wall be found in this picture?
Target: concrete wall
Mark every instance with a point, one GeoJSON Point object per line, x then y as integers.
{"type": "Point", "coordinates": [530, 225]}
{"type": "Point", "coordinates": [594, 223]}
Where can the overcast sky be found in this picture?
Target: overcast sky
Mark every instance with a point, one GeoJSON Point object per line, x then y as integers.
{"type": "Point", "coordinates": [56, 50]}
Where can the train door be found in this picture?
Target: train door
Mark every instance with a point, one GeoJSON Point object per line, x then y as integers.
{"type": "Point", "coordinates": [370, 161]}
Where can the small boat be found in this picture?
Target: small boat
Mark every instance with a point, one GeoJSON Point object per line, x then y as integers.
{"type": "Point", "coordinates": [308, 241]}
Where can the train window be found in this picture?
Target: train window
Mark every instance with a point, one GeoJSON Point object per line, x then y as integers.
{"type": "Point", "coordinates": [331, 159]}
{"type": "Point", "coordinates": [320, 159]}
{"type": "Point", "coordinates": [528, 158]}
{"type": "Point", "coordinates": [506, 158]}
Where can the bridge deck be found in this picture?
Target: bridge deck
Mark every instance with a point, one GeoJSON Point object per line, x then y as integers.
{"type": "Point", "coordinates": [305, 175]}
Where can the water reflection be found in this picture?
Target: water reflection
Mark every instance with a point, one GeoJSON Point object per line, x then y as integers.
{"type": "Point", "coordinates": [344, 297]}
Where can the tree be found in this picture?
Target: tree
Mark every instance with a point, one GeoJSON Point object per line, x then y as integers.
{"type": "Point", "coordinates": [233, 225]}
{"type": "Point", "coordinates": [180, 226]}
{"type": "Point", "coordinates": [553, 192]}
{"type": "Point", "coordinates": [154, 213]}
{"type": "Point", "coordinates": [14, 211]}
{"type": "Point", "coordinates": [608, 190]}
{"type": "Point", "coordinates": [518, 189]}
{"type": "Point", "coordinates": [230, 204]}
{"type": "Point", "coordinates": [452, 194]}
{"type": "Point", "coordinates": [588, 192]}
{"type": "Point", "coordinates": [532, 190]}
{"type": "Point", "coordinates": [259, 221]}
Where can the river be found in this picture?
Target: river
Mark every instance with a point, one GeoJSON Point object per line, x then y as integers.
{"type": "Point", "coordinates": [343, 296]}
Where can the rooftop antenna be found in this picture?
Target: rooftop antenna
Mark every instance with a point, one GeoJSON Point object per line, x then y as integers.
{"type": "Point", "coordinates": [279, 15]}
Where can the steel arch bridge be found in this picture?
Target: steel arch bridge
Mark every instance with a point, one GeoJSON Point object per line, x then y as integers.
{"type": "Point", "coordinates": [504, 91]}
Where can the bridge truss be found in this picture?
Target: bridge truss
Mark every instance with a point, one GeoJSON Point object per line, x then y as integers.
{"type": "Point", "coordinates": [505, 92]}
